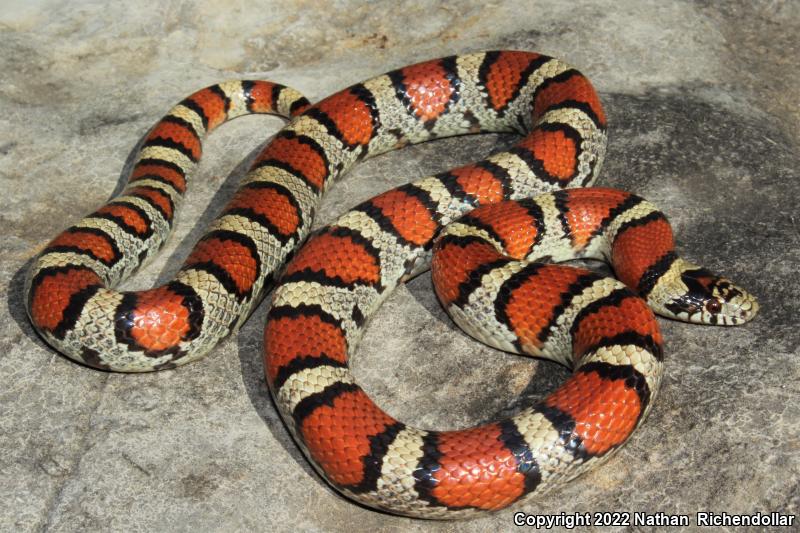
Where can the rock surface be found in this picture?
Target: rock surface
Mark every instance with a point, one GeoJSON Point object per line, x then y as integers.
{"type": "Point", "coordinates": [703, 106]}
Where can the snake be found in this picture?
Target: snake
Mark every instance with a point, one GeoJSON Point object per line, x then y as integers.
{"type": "Point", "coordinates": [492, 234]}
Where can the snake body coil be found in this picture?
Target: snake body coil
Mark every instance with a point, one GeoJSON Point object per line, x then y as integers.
{"type": "Point", "coordinates": [508, 212]}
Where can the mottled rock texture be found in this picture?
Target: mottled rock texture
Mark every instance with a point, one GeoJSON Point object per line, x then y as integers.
{"type": "Point", "coordinates": [703, 106]}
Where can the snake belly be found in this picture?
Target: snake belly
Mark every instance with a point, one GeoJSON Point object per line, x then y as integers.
{"type": "Point", "coordinates": [337, 280]}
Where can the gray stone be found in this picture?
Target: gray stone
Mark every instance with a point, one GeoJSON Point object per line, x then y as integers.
{"type": "Point", "coordinates": [702, 99]}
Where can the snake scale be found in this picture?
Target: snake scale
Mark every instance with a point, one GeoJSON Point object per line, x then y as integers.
{"type": "Point", "coordinates": [490, 231]}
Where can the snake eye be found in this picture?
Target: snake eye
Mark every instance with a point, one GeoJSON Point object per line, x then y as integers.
{"type": "Point", "coordinates": [713, 306]}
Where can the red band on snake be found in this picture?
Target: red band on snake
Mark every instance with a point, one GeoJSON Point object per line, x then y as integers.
{"type": "Point", "coordinates": [487, 225]}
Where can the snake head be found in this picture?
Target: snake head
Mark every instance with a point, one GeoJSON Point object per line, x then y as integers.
{"type": "Point", "coordinates": [705, 298]}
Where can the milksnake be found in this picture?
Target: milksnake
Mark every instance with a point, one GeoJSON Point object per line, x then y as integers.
{"type": "Point", "coordinates": [489, 231]}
